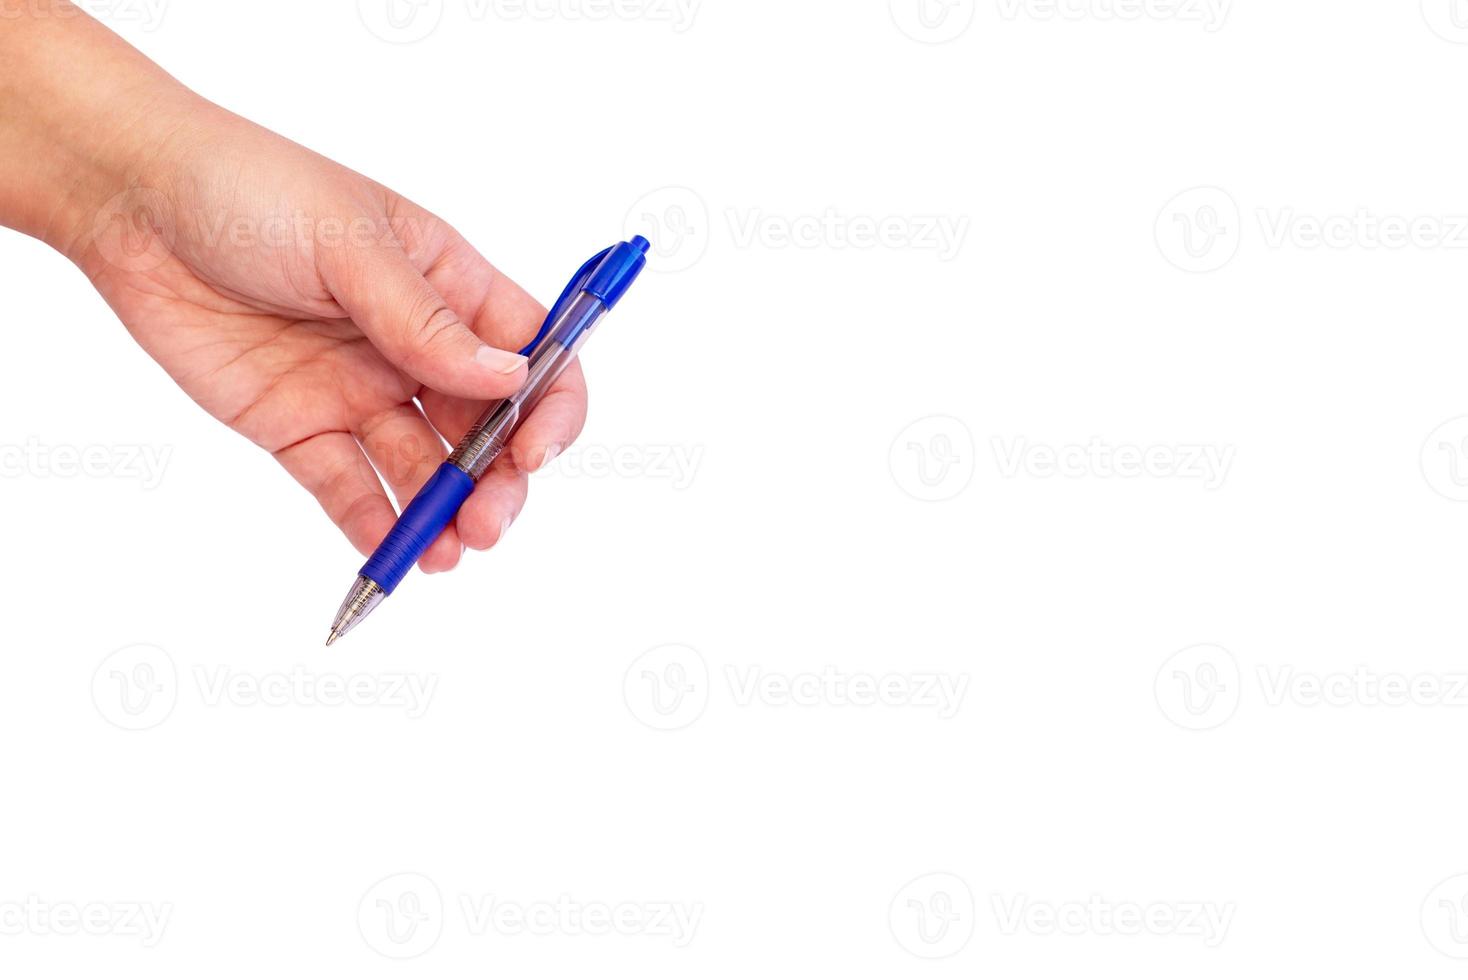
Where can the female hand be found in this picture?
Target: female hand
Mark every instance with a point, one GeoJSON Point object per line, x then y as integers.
{"type": "Point", "coordinates": [307, 307]}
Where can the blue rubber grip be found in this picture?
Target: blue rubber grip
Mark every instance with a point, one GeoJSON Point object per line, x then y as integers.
{"type": "Point", "coordinates": [422, 522]}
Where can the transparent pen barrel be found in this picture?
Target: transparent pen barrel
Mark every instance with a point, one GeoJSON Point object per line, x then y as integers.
{"type": "Point", "coordinates": [491, 434]}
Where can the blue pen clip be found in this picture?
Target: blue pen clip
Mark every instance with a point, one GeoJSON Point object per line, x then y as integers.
{"type": "Point", "coordinates": [607, 275]}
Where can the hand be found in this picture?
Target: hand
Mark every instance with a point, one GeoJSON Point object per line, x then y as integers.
{"type": "Point", "coordinates": [314, 311]}
{"type": "Point", "coordinates": [308, 308]}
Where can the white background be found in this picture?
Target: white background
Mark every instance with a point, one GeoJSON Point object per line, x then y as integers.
{"type": "Point", "coordinates": [909, 466]}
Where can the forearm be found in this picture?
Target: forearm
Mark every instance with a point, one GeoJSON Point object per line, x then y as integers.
{"type": "Point", "coordinates": [82, 115]}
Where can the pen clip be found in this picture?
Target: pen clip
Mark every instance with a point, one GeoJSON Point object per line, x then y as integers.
{"type": "Point", "coordinates": [610, 284]}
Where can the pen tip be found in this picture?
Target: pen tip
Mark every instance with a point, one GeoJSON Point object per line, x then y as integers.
{"type": "Point", "coordinates": [333, 638]}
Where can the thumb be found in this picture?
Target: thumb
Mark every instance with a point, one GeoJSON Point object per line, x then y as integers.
{"type": "Point", "coordinates": [409, 322]}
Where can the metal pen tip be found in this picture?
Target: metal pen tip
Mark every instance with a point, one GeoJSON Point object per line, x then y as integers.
{"type": "Point", "coordinates": [364, 597]}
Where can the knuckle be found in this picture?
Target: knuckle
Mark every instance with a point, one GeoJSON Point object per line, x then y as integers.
{"type": "Point", "coordinates": [431, 330]}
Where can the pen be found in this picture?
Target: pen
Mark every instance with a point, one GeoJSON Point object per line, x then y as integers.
{"type": "Point", "coordinates": [590, 295]}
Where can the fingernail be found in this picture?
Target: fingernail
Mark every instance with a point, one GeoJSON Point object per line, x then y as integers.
{"type": "Point", "coordinates": [504, 528]}
{"type": "Point", "coordinates": [500, 361]}
{"type": "Point", "coordinates": [551, 452]}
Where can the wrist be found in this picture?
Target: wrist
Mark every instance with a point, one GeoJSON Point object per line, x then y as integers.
{"type": "Point", "coordinates": [70, 147]}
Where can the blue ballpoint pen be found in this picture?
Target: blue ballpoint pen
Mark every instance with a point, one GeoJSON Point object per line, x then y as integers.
{"type": "Point", "coordinates": [590, 295]}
